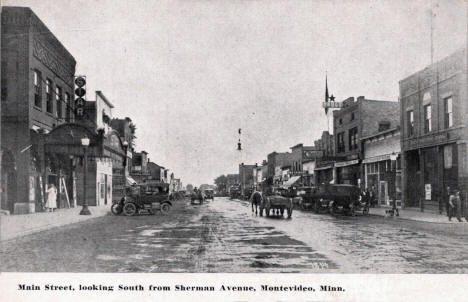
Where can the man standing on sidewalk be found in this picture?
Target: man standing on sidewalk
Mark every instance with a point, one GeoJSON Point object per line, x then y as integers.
{"type": "Point", "coordinates": [455, 205]}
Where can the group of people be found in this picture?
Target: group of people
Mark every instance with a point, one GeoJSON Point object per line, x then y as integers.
{"type": "Point", "coordinates": [368, 197]}
{"type": "Point", "coordinates": [454, 205]}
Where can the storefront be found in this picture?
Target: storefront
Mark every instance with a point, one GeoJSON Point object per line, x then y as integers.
{"type": "Point", "coordinates": [348, 172]}
{"type": "Point", "coordinates": [323, 173]}
{"type": "Point", "coordinates": [383, 178]}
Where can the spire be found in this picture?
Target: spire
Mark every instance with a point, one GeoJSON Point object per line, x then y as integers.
{"type": "Point", "coordinates": [326, 91]}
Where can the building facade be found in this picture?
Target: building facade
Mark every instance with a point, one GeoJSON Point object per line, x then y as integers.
{"type": "Point", "coordinates": [382, 166]}
{"type": "Point", "coordinates": [37, 90]}
{"type": "Point", "coordinates": [433, 104]}
{"type": "Point", "coordinates": [357, 119]}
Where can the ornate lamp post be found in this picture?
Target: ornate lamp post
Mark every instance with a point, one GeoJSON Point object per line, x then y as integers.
{"type": "Point", "coordinates": [85, 144]}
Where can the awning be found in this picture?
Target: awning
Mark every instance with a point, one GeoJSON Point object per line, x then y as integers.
{"type": "Point", "coordinates": [291, 181]}
{"type": "Point", "coordinates": [130, 181]}
{"type": "Point", "coordinates": [347, 163]}
{"type": "Point", "coordinates": [376, 158]}
{"type": "Point", "coordinates": [324, 168]}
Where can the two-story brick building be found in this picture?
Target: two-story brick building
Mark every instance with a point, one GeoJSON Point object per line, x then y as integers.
{"type": "Point", "coordinates": [37, 88]}
{"type": "Point", "coordinates": [356, 119]}
{"type": "Point", "coordinates": [434, 104]}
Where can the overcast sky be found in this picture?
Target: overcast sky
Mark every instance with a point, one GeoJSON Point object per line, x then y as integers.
{"type": "Point", "coordinates": [190, 73]}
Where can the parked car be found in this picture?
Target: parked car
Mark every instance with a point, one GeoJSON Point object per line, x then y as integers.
{"type": "Point", "coordinates": [209, 194]}
{"type": "Point", "coordinates": [149, 197]}
{"type": "Point", "coordinates": [333, 198]}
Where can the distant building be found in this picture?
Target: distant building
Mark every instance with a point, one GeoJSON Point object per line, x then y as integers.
{"type": "Point", "coordinates": [246, 177]}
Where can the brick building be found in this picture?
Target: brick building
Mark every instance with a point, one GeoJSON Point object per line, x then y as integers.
{"type": "Point", "coordinates": [433, 104]}
{"type": "Point", "coordinates": [246, 177]}
{"type": "Point", "coordinates": [37, 88]}
{"type": "Point", "coordinates": [323, 169]}
{"type": "Point", "coordinates": [357, 119]}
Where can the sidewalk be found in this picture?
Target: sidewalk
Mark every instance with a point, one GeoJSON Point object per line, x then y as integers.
{"type": "Point", "coordinates": [13, 226]}
{"type": "Point", "coordinates": [416, 215]}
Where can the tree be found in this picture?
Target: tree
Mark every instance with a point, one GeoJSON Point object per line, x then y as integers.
{"type": "Point", "coordinates": [133, 128]}
{"type": "Point", "coordinates": [221, 183]}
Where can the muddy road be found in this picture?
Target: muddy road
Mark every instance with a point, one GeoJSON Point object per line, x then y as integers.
{"type": "Point", "coordinates": [225, 236]}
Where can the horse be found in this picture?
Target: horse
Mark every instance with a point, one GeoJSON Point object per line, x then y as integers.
{"type": "Point", "coordinates": [256, 199]}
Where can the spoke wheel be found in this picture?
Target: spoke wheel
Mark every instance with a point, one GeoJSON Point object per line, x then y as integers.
{"type": "Point", "coordinates": [116, 209]}
{"type": "Point", "coordinates": [165, 208]}
{"type": "Point", "coordinates": [129, 209]}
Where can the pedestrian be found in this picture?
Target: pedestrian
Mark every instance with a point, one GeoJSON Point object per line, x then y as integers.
{"type": "Point", "coordinates": [51, 203]}
{"type": "Point", "coordinates": [455, 205]}
{"type": "Point", "coordinates": [372, 198]}
{"type": "Point", "coordinates": [447, 199]}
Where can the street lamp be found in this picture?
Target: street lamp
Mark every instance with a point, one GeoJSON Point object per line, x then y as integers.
{"type": "Point", "coordinates": [85, 144]}
{"type": "Point", "coordinates": [393, 158]}
{"type": "Point", "coordinates": [125, 146]}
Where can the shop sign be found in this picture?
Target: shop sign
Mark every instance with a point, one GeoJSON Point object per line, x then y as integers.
{"type": "Point", "coordinates": [428, 190]}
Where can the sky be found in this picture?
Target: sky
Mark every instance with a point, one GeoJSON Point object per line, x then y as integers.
{"type": "Point", "coordinates": [191, 73]}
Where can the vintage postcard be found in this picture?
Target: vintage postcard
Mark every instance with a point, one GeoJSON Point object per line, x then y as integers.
{"type": "Point", "coordinates": [234, 149]}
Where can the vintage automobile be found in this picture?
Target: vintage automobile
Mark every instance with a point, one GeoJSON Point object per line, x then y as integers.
{"type": "Point", "coordinates": [276, 203]}
{"type": "Point", "coordinates": [209, 194]}
{"type": "Point", "coordinates": [334, 198]}
{"type": "Point", "coordinates": [234, 192]}
{"type": "Point", "coordinates": [149, 197]}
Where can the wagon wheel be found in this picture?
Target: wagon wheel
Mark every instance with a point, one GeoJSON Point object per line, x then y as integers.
{"type": "Point", "coordinates": [129, 209]}
{"type": "Point", "coordinates": [165, 208]}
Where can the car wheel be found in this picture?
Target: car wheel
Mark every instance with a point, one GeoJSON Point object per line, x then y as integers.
{"type": "Point", "coordinates": [116, 209]}
{"type": "Point", "coordinates": [129, 209]}
{"type": "Point", "coordinates": [165, 208]}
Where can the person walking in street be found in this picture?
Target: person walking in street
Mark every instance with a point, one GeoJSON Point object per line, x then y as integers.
{"type": "Point", "coordinates": [455, 205]}
{"type": "Point", "coordinates": [51, 203]}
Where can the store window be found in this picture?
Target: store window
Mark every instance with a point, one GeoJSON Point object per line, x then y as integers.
{"type": "Point", "coordinates": [448, 116]}
{"type": "Point", "coordinates": [427, 118]}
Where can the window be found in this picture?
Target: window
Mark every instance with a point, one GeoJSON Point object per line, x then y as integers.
{"type": "Point", "coordinates": [353, 137]}
{"type": "Point", "coordinates": [37, 88]}
{"type": "Point", "coordinates": [352, 116]}
{"type": "Point", "coordinates": [340, 142]}
{"type": "Point", "coordinates": [427, 119]}
{"type": "Point", "coordinates": [68, 109]}
{"type": "Point", "coordinates": [340, 121]}
{"type": "Point", "coordinates": [49, 105]}
{"type": "Point", "coordinates": [448, 116]}
{"type": "Point", "coordinates": [410, 122]}
{"type": "Point", "coordinates": [59, 100]}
